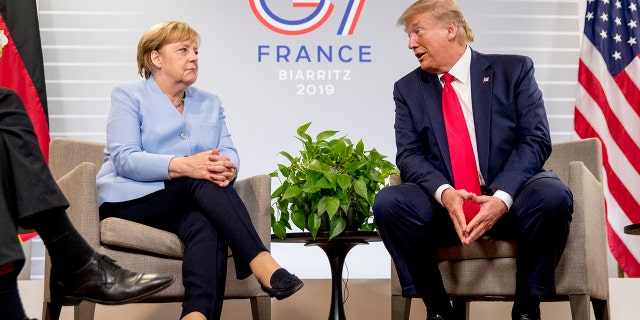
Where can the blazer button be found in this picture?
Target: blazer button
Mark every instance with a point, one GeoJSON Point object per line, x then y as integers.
{"type": "Point", "coordinates": [183, 135]}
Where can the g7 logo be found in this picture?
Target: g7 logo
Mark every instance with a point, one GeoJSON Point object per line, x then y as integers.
{"type": "Point", "coordinates": [323, 9]}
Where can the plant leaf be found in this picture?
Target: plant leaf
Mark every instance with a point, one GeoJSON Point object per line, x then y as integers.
{"type": "Point", "coordinates": [279, 230]}
{"type": "Point", "coordinates": [328, 204]}
{"type": "Point", "coordinates": [361, 188]}
{"type": "Point", "coordinates": [325, 134]}
{"type": "Point", "coordinates": [314, 224]}
{"type": "Point", "coordinates": [302, 132]}
{"type": "Point", "coordinates": [344, 181]}
{"type": "Point", "coordinates": [299, 219]}
{"type": "Point", "coordinates": [292, 192]}
{"type": "Point", "coordinates": [360, 147]}
{"type": "Point", "coordinates": [337, 225]}
{"type": "Point", "coordinates": [278, 192]}
{"type": "Point", "coordinates": [287, 155]}
{"type": "Point", "coordinates": [316, 165]}
{"type": "Point", "coordinates": [331, 178]}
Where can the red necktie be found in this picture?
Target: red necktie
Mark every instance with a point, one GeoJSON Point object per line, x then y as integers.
{"type": "Point", "coordinates": [463, 161]}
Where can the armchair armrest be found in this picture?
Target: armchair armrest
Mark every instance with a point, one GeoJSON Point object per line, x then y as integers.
{"type": "Point", "coordinates": [586, 245]}
{"type": "Point", "coordinates": [79, 187]}
{"type": "Point", "coordinates": [255, 192]}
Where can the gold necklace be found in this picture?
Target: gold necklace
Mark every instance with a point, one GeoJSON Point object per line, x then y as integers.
{"type": "Point", "coordinates": [176, 105]}
{"type": "Point", "coordinates": [180, 104]}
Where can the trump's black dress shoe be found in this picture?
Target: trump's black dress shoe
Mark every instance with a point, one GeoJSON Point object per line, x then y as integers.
{"type": "Point", "coordinates": [435, 317]}
{"type": "Point", "coordinates": [102, 281]}
{"type": "Point", "coordinates": [283, 284]}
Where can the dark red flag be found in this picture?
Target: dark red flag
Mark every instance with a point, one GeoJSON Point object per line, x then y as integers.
{"type": "Point", "coordinates": [21, 65]}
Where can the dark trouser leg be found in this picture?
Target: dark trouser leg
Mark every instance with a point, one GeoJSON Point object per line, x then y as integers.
{"type": "Point", "coordinates": [10, 248]}
{"type": "Point", "coordinates": [204, 265]}
{"type": "Point", "coordinates": [544, 208]}
{"type": "Point", "coordinates": [541, 214]}
{"type": "Point", "coordinates": [230, 217]}
{"type": "Point", "coordinates": [29, 195]}
{"type": "Point", "coordinates": [68, 250]}
{"type": "Point", "coordinates": [10, 303]}
{"type": "Point", "coordinates": [411, 224]}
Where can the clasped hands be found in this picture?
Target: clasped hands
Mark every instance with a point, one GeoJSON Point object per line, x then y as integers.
{"type": "Point", "coordinates": [207, 165]}
{"type": "Point", "coordinates": [491, 209]}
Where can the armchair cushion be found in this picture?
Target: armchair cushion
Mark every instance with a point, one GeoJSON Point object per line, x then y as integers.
{"type": "Point", "coordinates": [484, 248]}
{"type": "Point", "coordinates": [139, 237]}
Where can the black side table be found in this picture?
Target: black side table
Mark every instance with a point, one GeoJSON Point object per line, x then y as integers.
{"type": "Point", "coordinates": [633, 229]}
{"type": "Point", "coordinates": [336, 250]}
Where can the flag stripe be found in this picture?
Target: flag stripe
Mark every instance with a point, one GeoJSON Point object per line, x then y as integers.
{"type": "Point", "coordinates": [632, 94]}
{"type": "Point", "coordinates": [625, 247]}
{"type": "Point", "coordinates": [620, 251]}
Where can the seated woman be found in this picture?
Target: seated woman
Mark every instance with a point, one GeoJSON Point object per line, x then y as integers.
{"type": "Point", "coordinates": [170, 164]}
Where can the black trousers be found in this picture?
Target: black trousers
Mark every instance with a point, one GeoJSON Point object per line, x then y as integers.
{"type": "Point", "coordinates": [26, 184]}
{"type": "Point", "coordinates": [206, 218]}
{"type": "Point", "coordinates": [413, 224]}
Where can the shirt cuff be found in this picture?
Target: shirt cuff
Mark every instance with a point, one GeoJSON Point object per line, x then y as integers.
{"type": "Point", "coordinates": [439, 191]}
{"type": "Point", "coordinates": [505, 197]}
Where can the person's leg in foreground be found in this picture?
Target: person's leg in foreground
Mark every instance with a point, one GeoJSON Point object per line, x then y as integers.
{"type": "Point", "coordinates": [30, 198]}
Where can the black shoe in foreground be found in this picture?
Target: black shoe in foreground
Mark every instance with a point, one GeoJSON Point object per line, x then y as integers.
{"type": "Point", "coordinates": [102, 281]}
{"type": "Point", "coordinates": [435, 317]}
{"type": "Point", "coordinates": [283, 284]}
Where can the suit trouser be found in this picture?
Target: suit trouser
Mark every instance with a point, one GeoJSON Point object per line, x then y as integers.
{"type": "Point", "coordinates": [206, 218]}
{"type": "Point", "coordinates": [413, 224]}
{"type": "Point", "coordinates": [26, 184]}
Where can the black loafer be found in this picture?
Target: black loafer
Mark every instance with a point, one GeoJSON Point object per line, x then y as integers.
{"type": "Point", "coordinates": [102, 281]}
{"type": "Point", "coordinates": [435, 317]}
{"type": "Point", "coordinates": [283, 284]}
{"type": "Point", "coordinates": [527, 317]}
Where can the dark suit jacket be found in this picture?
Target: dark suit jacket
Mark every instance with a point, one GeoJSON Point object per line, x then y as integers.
{"type": "Point", "coordinates": [512, 130]}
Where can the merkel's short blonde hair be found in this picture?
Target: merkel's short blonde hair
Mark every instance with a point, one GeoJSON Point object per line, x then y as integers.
{"type": "Point", "coordinates": [443, 11]}
{"type": "Point", "coordinates": [157, 37]}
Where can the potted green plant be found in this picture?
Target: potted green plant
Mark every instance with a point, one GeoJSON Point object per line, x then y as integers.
{"type": "Point", "coordinates": [330, 186]}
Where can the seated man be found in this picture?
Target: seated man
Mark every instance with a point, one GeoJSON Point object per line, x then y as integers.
{"type": "Point", "coordinates": [30, 198]}
{"type": "Point", "coordinates": [472, 136]}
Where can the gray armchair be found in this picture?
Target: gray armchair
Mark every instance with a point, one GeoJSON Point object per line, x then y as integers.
{"type": "Point", "coordinates": [138, 247]}
{"type": "Point", "coordinates": [486, 269]}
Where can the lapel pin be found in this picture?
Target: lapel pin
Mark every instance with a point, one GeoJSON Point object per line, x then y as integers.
{"type": "Point", "coordinates": [485, 79]}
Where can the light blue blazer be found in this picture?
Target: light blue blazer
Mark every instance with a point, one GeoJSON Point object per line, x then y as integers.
{"type": "Point", "coordinates": [145, 131]}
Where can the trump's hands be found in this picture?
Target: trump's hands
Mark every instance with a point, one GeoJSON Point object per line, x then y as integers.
{"type": "Point", "coordinates": [208, 165]}
{"type": "Point", "coordinates": [452, 200]}
{"type": "Point", "coordinates": [491, 209]}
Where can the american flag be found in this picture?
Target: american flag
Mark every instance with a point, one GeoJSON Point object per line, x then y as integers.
{"type": "Point", "coordinates": [608, 107]}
